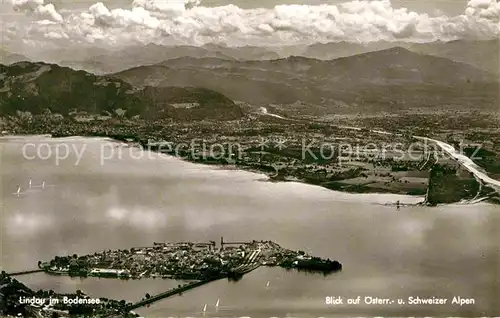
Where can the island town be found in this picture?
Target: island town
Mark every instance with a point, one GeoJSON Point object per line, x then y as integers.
{"type": "Point", "coordinates": [187, 261]}
{"type": "Point", "coordinates": [196, 263]}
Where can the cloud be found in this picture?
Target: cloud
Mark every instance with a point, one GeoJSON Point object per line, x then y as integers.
{"type": "Point", "coordinates": [486, 9]}
{"type": "Point", "coordinates": [188, 22]}
{"type": "Point", "coordinates": [38, 9]}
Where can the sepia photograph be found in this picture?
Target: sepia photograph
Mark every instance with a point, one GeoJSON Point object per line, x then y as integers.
{"type": "Point", "coordinates": [249, 158]}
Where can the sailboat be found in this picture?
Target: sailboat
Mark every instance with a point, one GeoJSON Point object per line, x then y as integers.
{"type": "Point", "coordinates": [39, 186]}
{"type": "Point", "coordinates": [205, 308]}
{"type": "Point", "coordinates": [268, 282]}
{"type": "Point", "coordinates": [29, 184]}
{"type": "Point", "coordinates": [44, 185]}
{"type": "Point", "coordinates": [217, 303]}
{"type": "Point", "coordinates": [18, 192]}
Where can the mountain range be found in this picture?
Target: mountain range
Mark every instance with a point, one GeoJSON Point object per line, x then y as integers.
{"type": "Point", "coordinates": [482, 54]}
{"type": "Point", "coordinates": [392, 79]}
{"type": "Point", "coordinates": [197, 87]}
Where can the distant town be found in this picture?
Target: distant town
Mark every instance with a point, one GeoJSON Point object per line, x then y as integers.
{"type": "Point", "coordinates": [298, 149]}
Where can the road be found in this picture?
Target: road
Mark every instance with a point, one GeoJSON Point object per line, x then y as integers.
{"type": "Point", "coordinates": [465, 162]}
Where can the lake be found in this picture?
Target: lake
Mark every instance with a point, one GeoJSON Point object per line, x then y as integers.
{"type": "Point", "coordinates": [106, 195]}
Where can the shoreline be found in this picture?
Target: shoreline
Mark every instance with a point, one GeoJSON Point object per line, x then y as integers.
{"type": "Point", "coordinates": [277, 178]}
{"type": "Point", "coordinates": [391, 198]}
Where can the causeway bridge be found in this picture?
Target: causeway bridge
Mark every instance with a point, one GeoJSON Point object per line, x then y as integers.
{"type": "Point", "coordinates": [30, 271]}
{"type": "Point", "coordinates": [171, 292]}
{"type": "Point", "coordinates": [249, 264]}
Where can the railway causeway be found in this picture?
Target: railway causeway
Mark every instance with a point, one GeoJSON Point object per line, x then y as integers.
{"type": "Point", "coordinates": [29, 271]}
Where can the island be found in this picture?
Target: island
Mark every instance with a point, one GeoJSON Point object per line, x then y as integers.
{"type": "Point", "coordinates": [195, 263]}
{"type": "Point", "coordinates": [202, 261]}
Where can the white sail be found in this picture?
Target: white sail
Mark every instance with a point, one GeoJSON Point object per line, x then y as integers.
{"type": "Point", "coordinates": [42, 185]}
{"type": "Point", "coordinates": [18, 192]}
{"type": "Point", "coordinates": [30, 184]}
{"type": "Point", "coordinates": [268, 282]}
{"type": "Point", "coordinates": [217, 303]}
{"type": "Point", "coordinates": [205, 308]}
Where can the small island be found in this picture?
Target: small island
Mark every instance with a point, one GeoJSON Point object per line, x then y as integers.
{"type": "Point", "coordinates": [187, 261]}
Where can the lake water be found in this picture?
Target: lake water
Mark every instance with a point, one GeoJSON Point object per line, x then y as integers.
{"type": "Point", "coordinates": [134, 200]}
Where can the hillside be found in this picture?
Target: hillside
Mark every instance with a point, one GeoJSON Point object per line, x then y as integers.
{"type": "Point", "coordinates": [36, 87]}
{"type": "Point", "coordinates": [400, 66]}
{"type": "Point", "coordinates": [392, 79]}
{"type": "Point", "coordinates": [481, 54]}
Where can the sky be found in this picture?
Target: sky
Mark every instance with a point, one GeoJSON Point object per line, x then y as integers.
{"type": "Point", "coordinates": [30, 24]}
{"type": "Point", "coordinates": [452, 7]}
